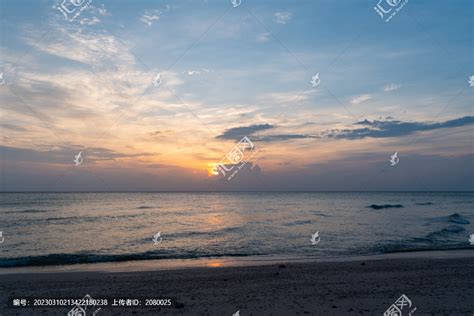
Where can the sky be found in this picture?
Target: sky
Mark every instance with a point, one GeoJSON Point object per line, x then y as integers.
{"type": "Point", "coordinates": [154, 94]}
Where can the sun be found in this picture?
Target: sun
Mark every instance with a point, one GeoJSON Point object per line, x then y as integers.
{"type": "Point", "coordinates": [212, 170]}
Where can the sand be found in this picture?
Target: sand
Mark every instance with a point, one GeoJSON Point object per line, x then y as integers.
{"type": "Point", "coordinates": [436, 286]}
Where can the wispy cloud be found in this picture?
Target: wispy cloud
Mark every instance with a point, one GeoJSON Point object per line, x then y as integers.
{"type": "Point", "coordinates": [150, 16]}
{"type": "Point", "coordinates": [193, 72]}
{"type": "Point", "coordinates": [84, 46]}
{"type": "Point", "coordinates": [361, 98]}
{"type": "Point", "coordinates": [282, 17]}
{"type": "Point", "coordinates": [103, 11]}
{"type": "Point", "coordinates": [89, 21]}
{"type": "Point", "coordinates": [391, 87]}
{"type": "Point", "coordinates": [285, 98]}
{"type": "Point", "coordinates": [263, 37]}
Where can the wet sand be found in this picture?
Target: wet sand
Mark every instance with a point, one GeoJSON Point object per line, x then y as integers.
{"type": "Point", "coordinates": [436, 286]}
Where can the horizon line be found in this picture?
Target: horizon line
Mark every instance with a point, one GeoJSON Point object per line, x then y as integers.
{"type": "Point", "coordinates": [261, 191]}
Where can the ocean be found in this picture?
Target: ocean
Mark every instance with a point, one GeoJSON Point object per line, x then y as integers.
{"type": "Point", "coordinates": [44, 229]}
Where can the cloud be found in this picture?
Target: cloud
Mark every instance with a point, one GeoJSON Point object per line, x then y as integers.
{"type": "Point", "coordinates": [193, 72]}
{"type": "Point", "coordinates": [89, 21]}
{"type": "Point", "coordinates": [361, 98]}
{"type": "Point", "coordinates": [86, 47]}
{"type": "Point", "coordinates": [239, 132]}
{"type": "Point", "coordinates": [160, 133]}
{"type": "Point", "coordinates": [282, 17]}
{"type": "Point", "coordinates": [383, 129]}
{"type": "Point", "coordinates": [93, 15]}
{"type": "Point", "coordinates": [263, 37]}
{"type": "Point", "coordinates": [64, 154]}
{"type": "Point", "coordinates": [391, 87]}
{"type": "Point", "coordinates": [102, 10]}
{"type": "Point", "coordinates": [283, 137]}
{"type": "Point", "coordinates": [13, 127]}
{"type": "Point", "coordinates": [150, 16]}
{"type": "Point", "coordinates": [285, 98]}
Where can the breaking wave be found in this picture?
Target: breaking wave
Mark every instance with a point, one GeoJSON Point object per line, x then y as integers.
{"type": "Point", "coordinates": [66, 259]}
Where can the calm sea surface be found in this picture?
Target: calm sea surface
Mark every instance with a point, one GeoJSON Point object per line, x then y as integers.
{"type": "Point", "coordinates": [65, 228]}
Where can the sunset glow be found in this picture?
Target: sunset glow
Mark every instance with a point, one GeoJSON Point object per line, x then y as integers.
{"type": "Point", "coordinates": [84, 87]}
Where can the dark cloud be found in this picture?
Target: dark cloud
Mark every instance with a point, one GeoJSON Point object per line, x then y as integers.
{"type": "Point", "coordinates": [393, 128]}
{"type": "Point", "coordinates": [107, 154]}
{"type": "Point", "coordinates": [159, 133]}
{"type": "Point", "coordinates": [374, 129]}
{"type": "Point", "coordinates": [239, 132]}
{"type": "Point", "coordinates": [282, 137]}
{"type": "Point", "coordinates": [63, 155]}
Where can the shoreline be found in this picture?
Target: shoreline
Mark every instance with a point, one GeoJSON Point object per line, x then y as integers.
{"type": "Point", "coordinates": [438, 286]}
{"type": "Point", "coordinates": [225, 262]}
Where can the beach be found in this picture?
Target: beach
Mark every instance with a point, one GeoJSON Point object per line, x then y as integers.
{"type": "Point", "coordinates": [251, 253]}
{"type": "Point", "coordinates": [236, 158]}
{"type": "Point", "coordinates": [437, 283]}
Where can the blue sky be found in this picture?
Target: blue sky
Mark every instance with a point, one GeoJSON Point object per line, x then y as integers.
{"type": "Point", "coordinates": [86, 86]}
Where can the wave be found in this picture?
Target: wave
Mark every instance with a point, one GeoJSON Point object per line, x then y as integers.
{"type": "Point", "coordinates": [144, 207]}
{"type": "Point", "coordinates": [455, 218]}
{"type": "Point", "coordinates": [318, 214]}
{"type": "Point", "coordinates": [462, 202]}
{"type": "Point", "coordinates": [23, 203]}
{"type": "Point", "coordinates": [378, 207]}
{"type": "Point", "coordinates": [397, 248]}
{"type": "Point", "coordinates": [81, 258]}
{"type": "Point", "coordinates": [69, 220]}
{"type": "Point", "coordinates": [30, 211]}
{"type": "Point", "coordinates": [211, 233]}
{"type": "Point", "coordinates": [297, 223]}
{"type": "Point", "coordinates": [445, 232]}
{"type": "Point", "coordinates": [446, 238]}
{"type": "Point", "coordinates": [424, 203]}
